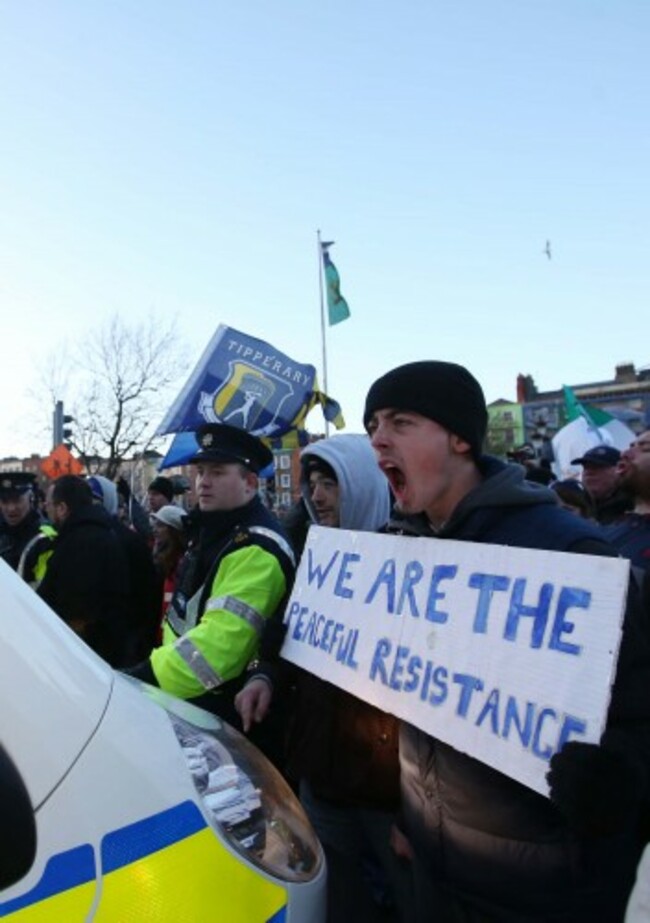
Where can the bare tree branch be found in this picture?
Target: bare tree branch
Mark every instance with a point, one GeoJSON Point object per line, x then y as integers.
{"type": "Point", "coordinates": [118, 383]}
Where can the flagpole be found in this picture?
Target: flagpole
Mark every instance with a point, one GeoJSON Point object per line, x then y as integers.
{"type": "Point", "coordinates": [322, 321]}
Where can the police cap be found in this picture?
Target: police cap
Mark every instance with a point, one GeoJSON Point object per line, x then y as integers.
{"type": "Point", "coordinates": [14, 483]}
{"type": "Point", "coordinates": [219, 442]}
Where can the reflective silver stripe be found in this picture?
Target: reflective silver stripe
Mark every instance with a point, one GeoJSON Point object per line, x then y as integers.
{"type": "Point", "coordinates": [197, 663]}
{"type": "Point", "coordinates": [181, 625]}
{"type": "Point", "coordinates": [28, 547]}
{"type": "Point", "coordinates": [239, 608]}
{"type": "Point", "coordinates": [283, 543]}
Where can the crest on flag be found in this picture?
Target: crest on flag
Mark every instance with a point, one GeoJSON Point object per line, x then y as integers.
{"type": "Point", "coordinates": [248, 398]}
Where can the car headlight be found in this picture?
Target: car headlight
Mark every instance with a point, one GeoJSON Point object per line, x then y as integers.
{"type": "Point", "coordinates": [248, 800]}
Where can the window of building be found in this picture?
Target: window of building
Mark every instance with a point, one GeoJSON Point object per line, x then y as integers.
{"type": "Point", "coordinates": [285, 480]}
{"type": "Point", "coordinates": [285, 461]}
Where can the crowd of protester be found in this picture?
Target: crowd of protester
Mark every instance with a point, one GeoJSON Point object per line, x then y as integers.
{"type": "Point", "coordinates": [192, 600]}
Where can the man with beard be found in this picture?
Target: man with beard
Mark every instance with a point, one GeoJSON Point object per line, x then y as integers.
{"type": "Point", "coordinates": [86, 581]}
{"type": "Point", "coordinates": [631, 532]}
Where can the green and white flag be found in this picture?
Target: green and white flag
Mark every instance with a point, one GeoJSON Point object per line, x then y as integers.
{"type": "Point", "coordinates": [588, 426]}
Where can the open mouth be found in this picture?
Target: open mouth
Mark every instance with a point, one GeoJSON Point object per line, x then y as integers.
{"type": "Point", "coordinates": [395, 476]}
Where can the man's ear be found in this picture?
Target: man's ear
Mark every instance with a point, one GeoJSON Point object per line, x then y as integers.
{"type": "Point", "coordinates": [458, 445]}
{"type": "Point", "coordinates": [252, 481]}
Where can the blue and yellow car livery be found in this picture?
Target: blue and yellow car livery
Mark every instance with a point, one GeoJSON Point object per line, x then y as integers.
{"type": "Point", "coordinates": [167, 868]}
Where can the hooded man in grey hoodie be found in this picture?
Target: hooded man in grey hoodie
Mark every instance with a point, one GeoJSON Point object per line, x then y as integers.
{"type": "Point", "coordinates": [341, 751]}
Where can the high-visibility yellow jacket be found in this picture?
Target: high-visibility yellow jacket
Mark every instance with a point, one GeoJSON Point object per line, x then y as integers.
{"type": "Point", "coordinates": [214, 623]}
{"type": "Point", "coordinates": [36, 554]}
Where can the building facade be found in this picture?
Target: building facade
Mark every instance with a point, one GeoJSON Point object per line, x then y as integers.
{"type": "Point", "coordinates": [537, 415]}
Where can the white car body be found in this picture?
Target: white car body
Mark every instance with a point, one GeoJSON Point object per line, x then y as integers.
{"type": "Point", "coordinates": [122, 830]}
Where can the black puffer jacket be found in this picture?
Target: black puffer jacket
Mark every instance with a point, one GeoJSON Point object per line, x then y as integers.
{"type": "Point", "coordinates": [501, 846]}
{"type": "Point", "coordinates": [87, 583]}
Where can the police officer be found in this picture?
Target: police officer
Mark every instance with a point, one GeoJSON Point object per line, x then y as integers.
{"type": "Point", "coordinates": [20, 521]}
{"type": "Point", "coordinates": [234, 578]}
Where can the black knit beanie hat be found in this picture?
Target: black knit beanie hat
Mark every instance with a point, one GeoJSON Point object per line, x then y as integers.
{"type": "Point", "coordinates": [442, 391]}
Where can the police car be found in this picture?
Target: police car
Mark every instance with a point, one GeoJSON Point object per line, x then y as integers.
{"type": "Point", "coordinates": [121, 803]}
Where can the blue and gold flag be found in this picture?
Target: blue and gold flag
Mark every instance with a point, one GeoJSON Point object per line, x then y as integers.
{"type": "Point", "coordinates": [337, 306]}
{"type": "Point", "coordinates": [246, 382]}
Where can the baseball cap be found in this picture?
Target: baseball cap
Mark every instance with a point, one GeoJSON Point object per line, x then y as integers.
{"type": "Point", "coordinates": [601, 456]}
{"type": "Point", "coordinates": [171, 515]}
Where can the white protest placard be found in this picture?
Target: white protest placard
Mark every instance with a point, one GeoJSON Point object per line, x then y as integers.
{"type": "Point", "coordinates": [504, 653]}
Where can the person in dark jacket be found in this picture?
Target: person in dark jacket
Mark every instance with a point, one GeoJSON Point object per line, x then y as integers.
{"type": "Point", "coordinates": [20, 520]}
{"type": "Point", "coordinates": [234, 578]}
{"type": "Point", "coordinates": [573, 497]}
{"type": "Point", "coordinates": [146, 590]}
{"type": "Point", "coordinates": [602, 481]}
{"type": "Point", "coordinates": [485, 847]}
{"type": "Point", "coordinates": [341, 751]}
{"type": "Point", "coordinates": [86, 582]}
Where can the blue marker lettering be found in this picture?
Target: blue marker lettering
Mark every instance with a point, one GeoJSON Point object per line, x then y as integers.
{"type": "Point", "coordinates": [440, 675]}
{"type": "Point", "coordinates": [546, 752]}
{"type": "Point", "coordinates": [382, 650]}
{"type": "Point", "coordinates": [315, 571]}
{"type": "Point", "coordinates": [487, 585]}
{"type": "Point", "coordinates": [538, 613]}
{"type": "Point", "coordinates": [440, 572]}
{"type": "Point", "coordinates": [490, 710]}
{"type": "Point", "coordinates": [468, 685]}
{"type": "Point", "coordinates": [398, 668]}
{"type": "Point", "coordinates": [413, 670]}
{"type": "Point", "coordinates": [412, 575]}
{"type": "Point", "coordinates": [513, 718]}
{"type": "Point", "coordinates": [569, 598]}
{"type": "Point", "coordinates": [386, 576]}
{"type": "Point", "coordinates": [345, 574]}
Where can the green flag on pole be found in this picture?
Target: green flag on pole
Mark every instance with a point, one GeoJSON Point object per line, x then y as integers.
{"type": "Point", "coordinates": [337, 306]}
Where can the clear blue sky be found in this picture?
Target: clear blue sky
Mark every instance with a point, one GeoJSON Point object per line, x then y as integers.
{"type": "Point", "coordinates": [180, 157]}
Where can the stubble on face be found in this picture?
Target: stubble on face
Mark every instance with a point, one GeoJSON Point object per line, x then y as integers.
{"type": "Point", "coordinates": [634, 467]}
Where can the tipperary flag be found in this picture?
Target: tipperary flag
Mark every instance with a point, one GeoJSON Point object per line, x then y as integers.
{"type": "Point", "coordinates": [337, 306]}
{"type": "Point", "coordinates": [248, 383]}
